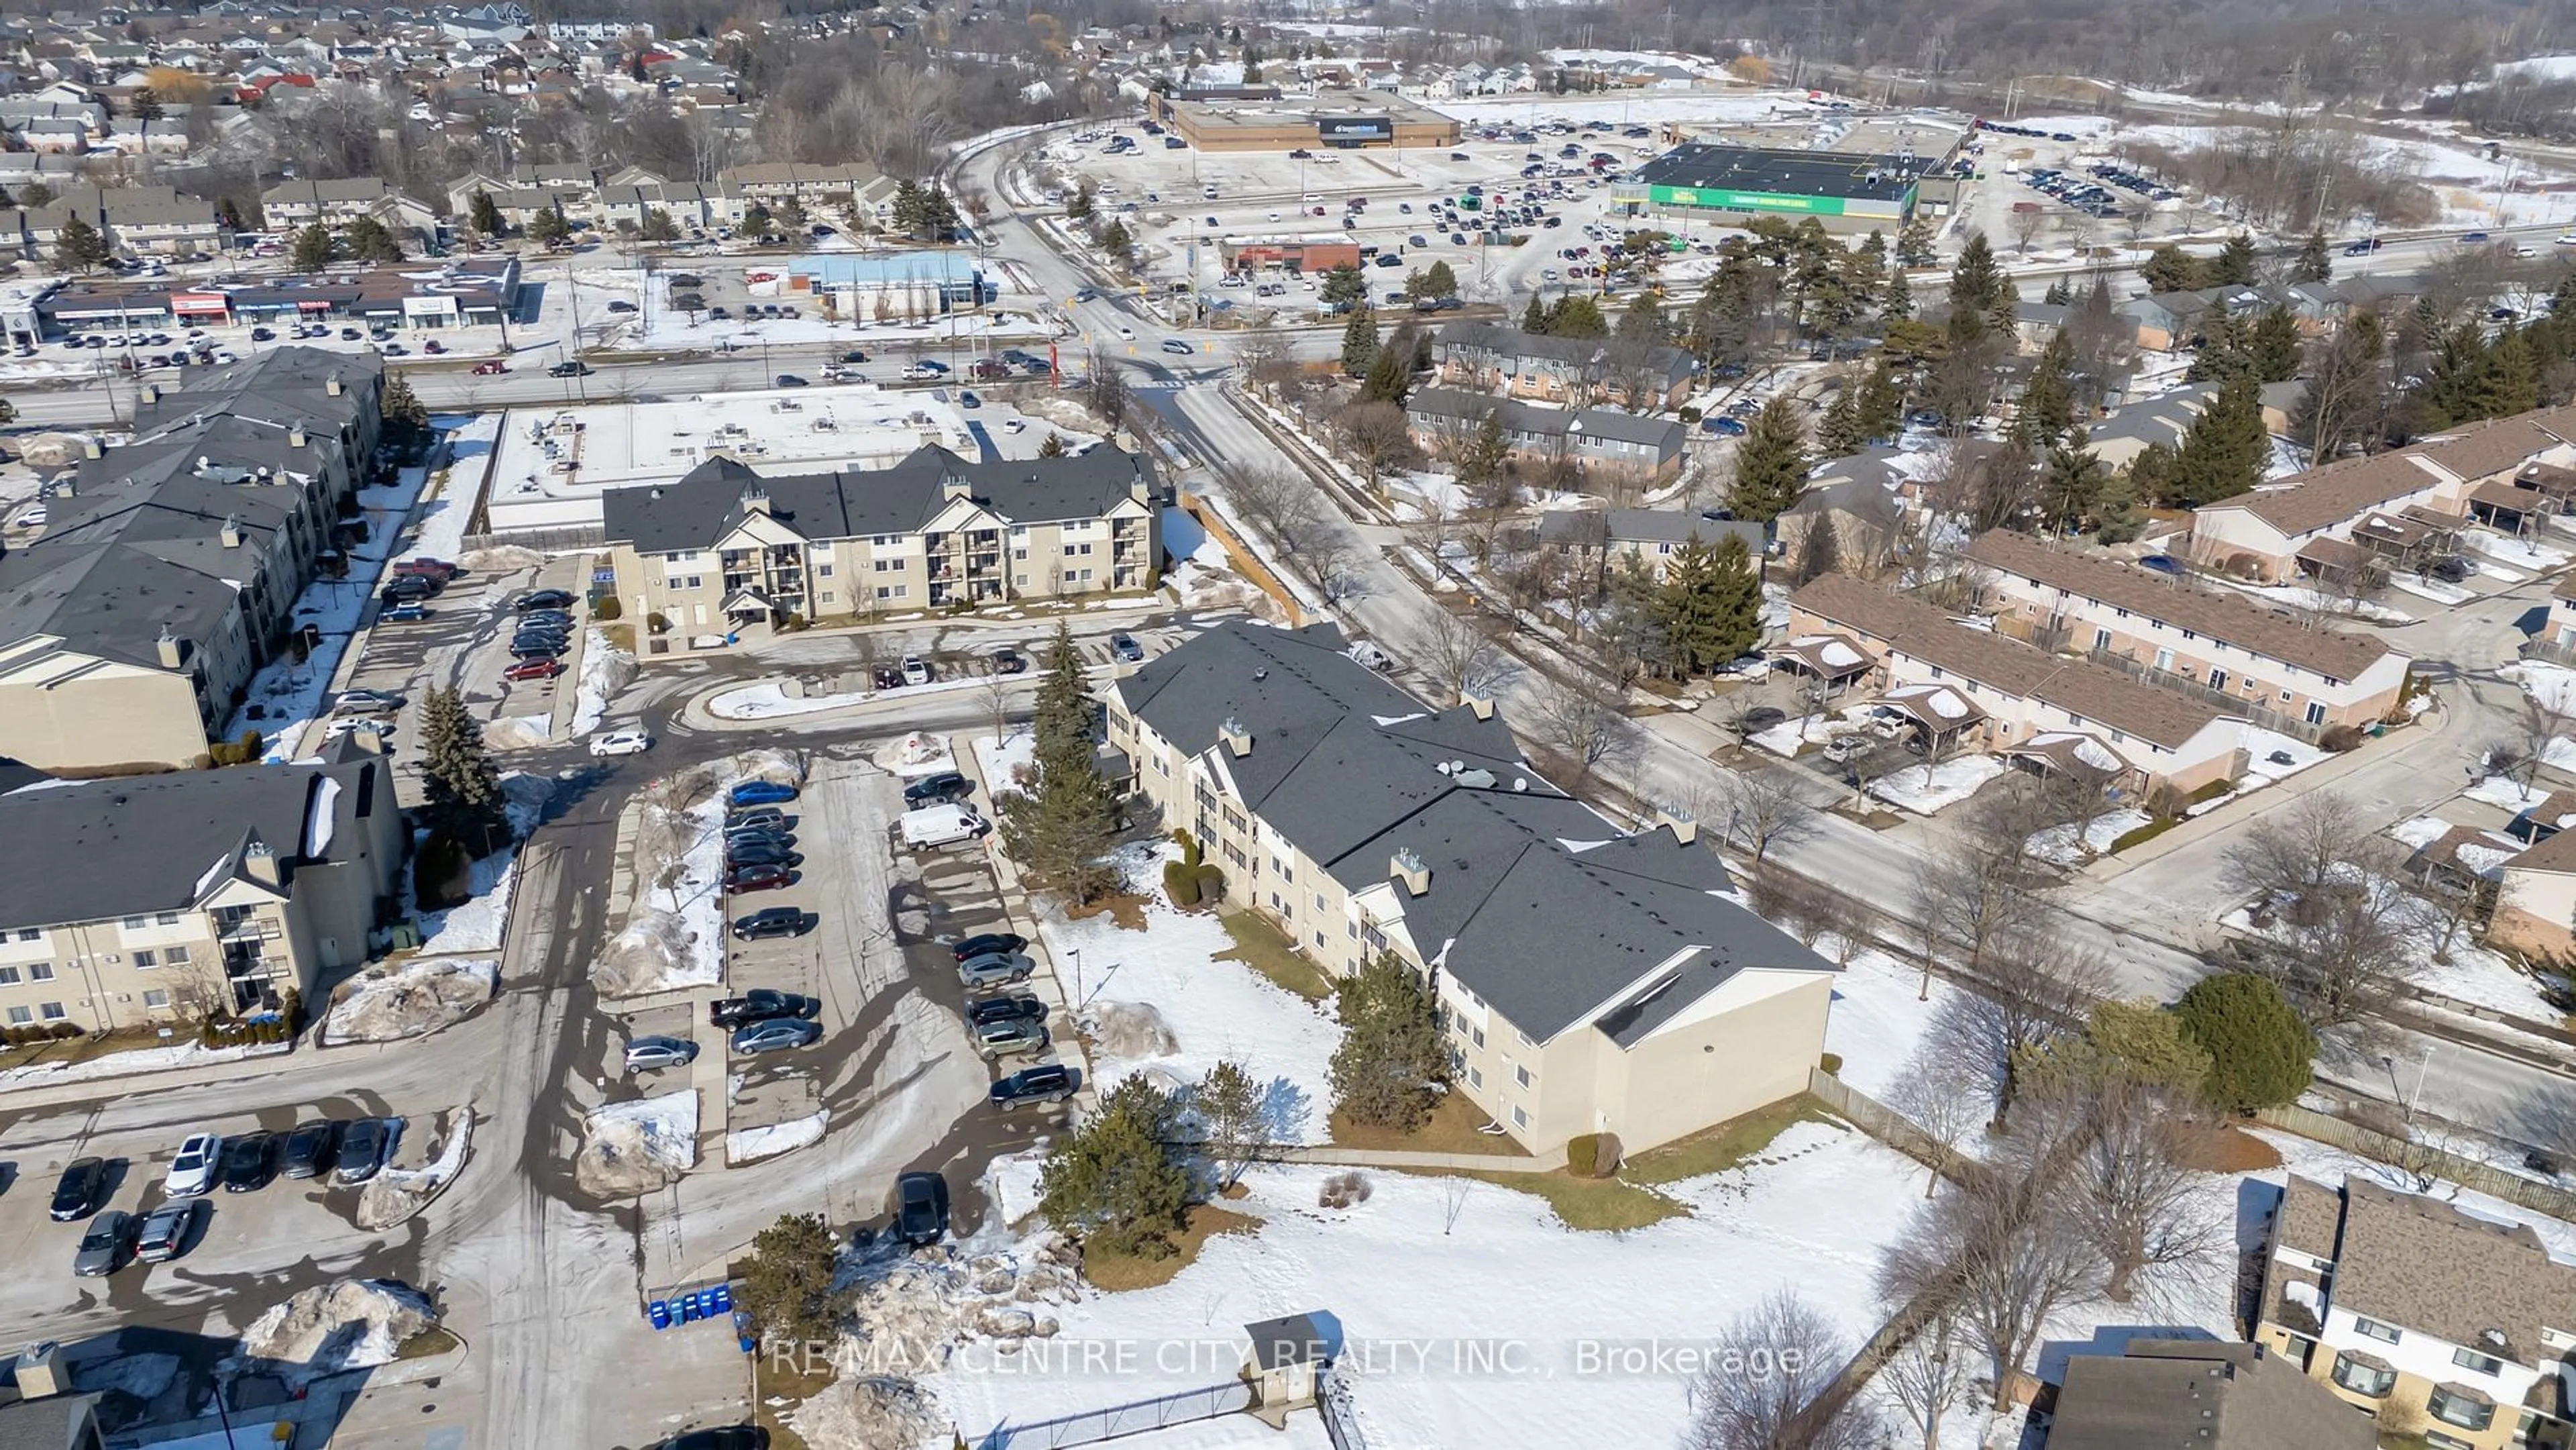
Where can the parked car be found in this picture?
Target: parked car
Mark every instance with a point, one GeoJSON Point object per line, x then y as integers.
{"type": "Point", "coordinates": [987, 943]}
{"type": "Point", "coordinates": [542, 599]}
{"type": "Point", "coordinates": [312, 1148]}
{"type": "Point", "coordinates": [534, 669]}
{"type": "Point", "coordinates": [776, 1035]}
{"type": "Point", "coordinates": [107, 1245]}
{"type": "Point", "coordinates": [621, 742]}
{"type": "Point", "coordinates": [2163, 564]}
{"type": "Point", "coordinates": [916, 670]}
{"type": "Point", "coordinates": [410, 611]}
{"type": "Point", "coordinates": [78, 1192]}
{"type": "Point", "coordinates": [250, 1162]}
{"type": "Point", "coordinates": [770, 921]}
{"type": "Point", "coordinates": [760, 793]}
{"type": "Point", "coordinates": [1123, 647]}
{"type": "Point", "coordinates": [760, 1004]}
{"type": "Point", "coordinates": [653, 1054]}
{"type": "Point", "coordinates": [742, 856]}
{"type": "Point", "coordinates": [947, 785]}
{"type": "Point", "coordinates": [854, 355]}
{"type": "Point", "coordinates": [790, 380]}
{"type": "Point", "coordinates": [1048, 1082]}
{"type": "Point", "coordinates": [762, 877]}
{"type": "Point", "coordinates": [364, 1147]}
{"type": "Point", "coordinates": [2450, 569]}
{"type": "Point", "coordinates": [1007, 1007]}
{"type": "Point", "coordinates": [920, 1208]}
{"type": "Point", "coordinates": [537, 648]}
{"type": "Point", "coordinates": [165, 1231]}
{"type": "Point", "coordinates": [1012, 1037]}
{"type": "Point", "coordinates": [995, 969]}
{"type": "Point", "coordinates": [770, 817]}
{"type": "Point", "coordinates": [1007, 661]}
{"type": "Point", "coordinates": [192, 1172]}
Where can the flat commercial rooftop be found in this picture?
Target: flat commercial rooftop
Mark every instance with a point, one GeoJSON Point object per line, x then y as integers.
{"type": "Point", "coordinates": [1264, 114]}
{"type": "Point", "coordinates": [1704, 166]}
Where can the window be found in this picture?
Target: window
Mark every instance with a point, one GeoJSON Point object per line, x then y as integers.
{"type": "Point", "coordinates": [2373, 1329]}
{"type": "Point", "coordinates": [8, 976]}
{"type": "Point", "coordinates": [2460, 1410]}
{"type": "Point", "coordinates": [1520, 1118]}
{"type": "Point", "coordinates": [2316, 712]}
{"type": "Point", "coordinates": [1521, 1075]}
{"type": "Point", "coordinates": [1475, 1075]}
{"type": "Point", "coordinates": [40, 972]}
{"type": "Point", "coordinates": [156, 999]}
{"type": "Point", "coordinates": [1319, 937]}
{"type": "Point", "coordinates": [823, 571]}
{"type": "Point", "coordinates": [2361, 1379]}
{"type": "Point", "coordinates": [145, 961]}
{"type": "Point", "coordinates": [1022, 580]}
{"type": "Point", "coordinates": [829, 596]}
{"type": "Point", "coordinates": [2441, 1441]}
{"type": "Point", "coordinates": [2472, 1360]}
{"type": "Point", "coordinates": [2285, 697]}
{"type": "Point", "coordinates": [174, 956]}
{"type": "Point", "coordinates": [1021, 553]}
{"type": "Point", "coordinates": [135, 923]}
{"type": "Point", "coordinates": [50, 1011]}
{"type": "Point", "coordinates": [2101, 639]}
{"type": "Point", "coordinates": [20, 1016]}
{"type": "Point", "coordinates": [166, 918]}
{"type": "Point", "coordinates": [1319, 901]}
{"type": "Point", "coordinates": [2217, 678]}
{"type": "Point", "coordinates": [695, 581]}
{"type": "Point", "coordinates": [29, 933]}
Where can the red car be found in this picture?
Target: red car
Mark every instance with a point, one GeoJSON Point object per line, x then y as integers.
{"type": "Point", "coordinates": [758, 878]}
{"type": "Point", "coordinates": [494, 365]}
{"type": "Point", "coordinates": [533, 670]}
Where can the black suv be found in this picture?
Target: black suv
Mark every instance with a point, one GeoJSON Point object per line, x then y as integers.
{"type": "Point", "coordinates": [761, 1004]}
{"type": "Point", "coordinates": [988, 943]}
{"type": "Point", "coordinates": [938, 789]}
{"type": "Point", "coordinates": [1011, 1007]}
{"type": "Point", "coordinates": [250, 1161]}
{"type": "Point", "coordinates": [770, 921]}
{"type": "Point", "coordinates": [1046, 1083]}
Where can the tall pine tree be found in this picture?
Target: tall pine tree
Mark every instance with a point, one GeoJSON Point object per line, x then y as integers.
{"type": "Point", "coordinates": [1392, 1061]}
{"type": "Point", "coordinates": [1115, 1182]}
{"type": "Point", "coordinates": [1060, 829]}
{"type": "Point", "coordinates": [1770, 462]}
{"type": "Point", "coordinates": [2071, 483]}
{"type": "Point", "coordinates": [1711, 605]}
{"type": "Point", "coordinates": [1359, 342]}
{"type": "Point", "coordinates": [460, 787]}
{"type": "Point", "coordinates": [2227, 449]}
{"type": "Point", "coordinates": [2314, 263]}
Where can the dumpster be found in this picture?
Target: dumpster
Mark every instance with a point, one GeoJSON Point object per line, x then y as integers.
{"type": "Point", "coordinates": [660, 1313]}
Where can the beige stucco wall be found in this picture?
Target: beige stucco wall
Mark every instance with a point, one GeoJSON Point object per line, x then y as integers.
{"type": "Point", "coordinates": [116, 717]}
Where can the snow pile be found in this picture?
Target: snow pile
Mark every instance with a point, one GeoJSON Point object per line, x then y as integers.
{"type": "Point", "coordinates": [412, 1000]}
{"type": "Point", "coordinates": [1928, 791]}
{"type": "Point", "coordinates": [518, 732]}
{"type": "Point", "coordinates": [344, 1325]}
{"type": "Point", "coordinates": [141, 1060]}
{"type": "Point", "coordinates": [605, 670]}
{"type": "Point", "coordinates": [2505, 791]}
{"type": "Point", "coordinates": [633, 1148]}
{"type": "Point", "coordinates": [2059, 845]}
{"type": "Point", "coordinates": [866, 1412]}
{"type": "Point", "coordinates": [144, 1377]}
{"type": "Point", "coordinates": [1160, 1002]}
{"type": "Point", "coordinates": [746, 1145]}
{"type": "Point", "coordinates": [501, 559]}
{"type": "Point", "coordinates": [674, 937]}
{"type": "Point", "coordinates": [2552, 687]}
{"type": "Point", "coordinates": [918, 1309]}
{"type": "Point", "coordinates": [396, 1195]}
{"type": "Point", "coordinates": [919, 753]}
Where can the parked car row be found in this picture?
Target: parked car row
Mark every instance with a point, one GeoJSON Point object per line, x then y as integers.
{"type": "Point", "coordinates": [347, 1153]}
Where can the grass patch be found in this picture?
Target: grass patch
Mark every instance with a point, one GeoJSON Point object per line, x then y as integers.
{"type": "Point", "coordinates": [1727, 1145]}
{"type": "Point", "coordinates": [783, 1380]}
{"type": "Point", "coordinates": [621, 634]}
{"type": "Point", "coordinates": [2145, 833]}
{"type": "Point", "coordinates": [1259, 945]}
{"type": "Point", "coordinates": [1595, 1205]}
{"type": "Point", "coordinates": [1452, 1129]}
{"type": "Point", "coordinates": [1126, 909]}
{"type": "Point", "coordinates": [2220, 1148]}
{"type": "Point", "coordinates": [95, 1045]}
{"type": "Point", "coordinates": [1117, 1273]}
{"type": "Point", "coordinates": [427, 1344]}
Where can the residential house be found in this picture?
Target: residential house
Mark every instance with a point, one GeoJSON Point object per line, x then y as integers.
{"type": "Point", "coordinates": [1601, 540]}
{"type": "Point", "coordinates": [1571, 371]}
{"type": "Point", "coordinates": [332, 203]}
{"type": "Point", "coordinates": [2214, 642]}
{"type": "Point", "coordinates": [153, 898]}
{"type": "Point", "coordinates": [2428, 1317]}
{"type": "Point", "coordinates": [1598, 440]}
{"type": "Point", "coordinates": [2266, 535]}
{"type": "Point", "coordinates": [51, 1421]}
{"type": "Point", "coordinates": [725, 550]}
{"type": "Point", "coordinates": [1858, 495]}
{"type": "Point", "coordinates": [2165, 419]}
{"type": "Point", "coordinates": [1589, 979]}
{"type": "Point", "coordinates": [2160, 1394]}
{"type": "Point", "coordinates": [773, 183]}
{"type": "Point", "coordinates": [1976, 689]}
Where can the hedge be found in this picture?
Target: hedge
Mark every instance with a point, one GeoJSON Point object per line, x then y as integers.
{"type": "Point", "coordinates": [2147, 832]}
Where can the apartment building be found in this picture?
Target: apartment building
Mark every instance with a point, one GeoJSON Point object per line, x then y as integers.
{"type": "Point", "coordinates": [162, 897]}
{"type": "Point", "coordinates": [2158, 1394]}
{"type": "Point", "coordinates": [1601, 441]}
{"type": "Point", "coordinates": [2422, 1315]}
{"type": "Point", "coordinates": [2312, 523]}
{"type": "Point", "coordinates": [2216, 643]}
{"type": "Point", "coordinates": [1590, 979]}
{"type": "Point", "coordinates": [1604, 540]}
{"type": "Point", "coordinates": [724, 549]}
{"type": "Point", "coordinates": [1976, 689]}
{"type": "Point", "coordinates": [1486, 357]}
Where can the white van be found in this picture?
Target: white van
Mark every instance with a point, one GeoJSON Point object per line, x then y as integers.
{"type": "Point", "coordinates": [941, 825]}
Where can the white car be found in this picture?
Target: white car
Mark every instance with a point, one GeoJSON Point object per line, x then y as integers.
{"type": "Point", "coordinates": [193, 1171]}
{"type": "Point", "coordinates": [2567, 239]}
{"type": "Point", "coordinates": [916, 671]}
{"type": "Point", "coordinates": [33, 518]}
{"type": "Point", "coordinates": [1127, 332]}
{"type": "Point", "coordinates": [621, 742]}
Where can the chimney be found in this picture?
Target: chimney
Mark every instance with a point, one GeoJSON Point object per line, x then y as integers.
{"type": "Point", "coordinates": [39, 1376]}
{"type": "Point", "coordinates": [334, 387]}
{"type": "Point", "coordinates": [295, 436]}
{"type": "Point", "coordinates": [89, 448]}
{"type": "Point", "coordinates": [231, 532]}
{"type": "Point", "coordinates": [261, 863]}
{"type": "Point", "coordinates": [171, 649]}
{"type": "Point", "coordinates": [755, 499]}
{"type": "Point", "coordinates": [951, 486]}
{"type": "Point", "coordinates": [1684, 827]}
{"type": "Point", "coordinates": [1406, 866]}
{"type": "Point", "coordinates": [1478, 701]}
{"type": "Point", "coordinates": [1237, 739]}
{"type": "Point", "coordinates": [1141, 491]}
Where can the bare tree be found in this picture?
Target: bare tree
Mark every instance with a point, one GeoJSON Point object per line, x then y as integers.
{"type": "Point", "coordinates": [1770, 1386]}
{"type": "Point", "coordinates": [2331, 897]}
{"type": "Point", "coordinates": [2132, 1198]}
{"type": "Point", "coordinates": [1277, 502]}
{"type": "Point", "coordinates": [1578, 714]}
{"type": "Point", "coordinates": [1947, 1094]}
{"type": "Point", "coordinates": [1928, 1375]}
{"type": "Point", "coordinates": [2297, 851]}
{"type": "Point", "coordinates": [1458, 655]}
{"type": "Point", "coordinates": [2538, 727]}
{"type": "Point", "coordinates": [2027, 225]}
{"type": "Point", "coordinates": [1266, 354]}
{"type": "Point", "coordinates": [1329, 556]}
{"type": "Point", "coordinates": [1430, 529]}
{"type": "Point", "coordinates": [1377, 436]}
{"type": "Point", "coordinates": [1790, 902]}
{"type": "Point", "coordinates": [1965, 901]}
{"type": "Point", "coordinates": [1763, 808]}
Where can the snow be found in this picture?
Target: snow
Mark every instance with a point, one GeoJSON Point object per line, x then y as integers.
{"type": "Point", "coordinates": [2433, 589]}
{"type": "Point", "coordinates": [2299, 599]}
{"type": "Point", "coordinates": [1158, 1003]}
{"type": "Point", "coordinates": [396, 1195]}
{"type": "Point", "coordinates": [915, 754]}
{"type": "Point", "coordinates": [2527, 554]}
{"type": "Point", "coordinates": [605, 670]}
{"type": "Point", "coordinates": [412, 999]}
{"type": "Point", "coordinates": [2058, 843]}
{"type": "Point", "coordinates": [476, 925]}
{"type": "Point", "coordinates": [1453, 1268]}
{"type": "Point", "coordinates": [2260, 745]}
{"type": "Point", "coordinates": [2418, 832]}
{"type": "Point", "coordinates": [2553, 687]}
{"type": "Point", "coordinates": [2540, 67]}
{"type": "Point", "coordinates": [319, 815]}
{"type": "Point", "coordinates": [1785, 737]}
{"type": "Point", "coordinates": [1879, 1018]}
{"type": "Point", "coordinates": [344, 1325]}
{"type": "Point", "coordinates": [1001, 759]}
{"type": "Point", "coordinates": [634, 1147]}
{"type": "Point", "coordinates": [2505, 791]}
{"type": "Point", "coordinates": [1949, 783]}
{"type": "Point", "coordinates": [674, 940]}
{"type": "Point", "coordinates": [769, 700]}
{"type": "Point", "coordinates": [140, 1060]}
{"type": "Point", "coordinates": [744, 1145]}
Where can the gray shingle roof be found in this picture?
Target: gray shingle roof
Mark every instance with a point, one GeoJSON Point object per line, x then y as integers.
{"type": "Point", "coordinates": [110, 848]}
{"type": "Point", "coordinates": [47, 1423]}
{"type": "Point", "coordinates": [109, 600]}
{"type": "Point", "coordinates": [2163, 1394]}
{"type": "Point", "coordinates": [695, 511]}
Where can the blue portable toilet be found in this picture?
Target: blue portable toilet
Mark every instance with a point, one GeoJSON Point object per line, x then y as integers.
{"type": "Point", "coordinates": [722, 1301]}
{"type": "Point", "coordinates": [660, 1313]}
{"type": "Point", "coordinates": [689, 1308]}
{"type": "Point", "coordinates": [742, 1335]}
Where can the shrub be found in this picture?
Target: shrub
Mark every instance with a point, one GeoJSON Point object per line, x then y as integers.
{"type": "Point", "coordinates": [1181, 884]}
{"type": "Point", "coordinates": [1211, 880]}
{"type": "Point", "coordinates": [2259, 1051]}
{"type": "Point", "coordinates": [1832, 1063]}
{"type": "Point", "coordinates": [2340, 738]}
{"type": "Point", "coordinates": [2142, 834]}
{"type": "Point", "coordinates": [1189, 845]}
{"type": "Point", "coordinates": [1582, 1151]}
{"type": "Point", "coordinates": [657, 622]}
{"type": "Point", "coordinates": [1688, 414]}
{"type": "Point", "coordinates": [606, 608]}
{"type": "Point", "coordinates": [1343, 1190]}
{"type": "Point", "coordinates": [442, 875]}
{"type": "Point", "coordinates": [63, 1031]}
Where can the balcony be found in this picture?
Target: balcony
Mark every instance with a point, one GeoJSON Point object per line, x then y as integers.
{"type": "Point", "coordinates": [249, 929]}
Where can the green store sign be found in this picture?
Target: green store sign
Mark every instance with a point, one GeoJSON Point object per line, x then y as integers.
{"type": "Point", "coordinates": [1743, 200]}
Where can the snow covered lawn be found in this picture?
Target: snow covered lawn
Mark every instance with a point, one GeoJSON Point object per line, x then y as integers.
{"type": "Point", "coordinates": [1461, 1267]}
{"type": "Point", "coordinates": [1000, 757]}
{"type": "Point", "coordinates": [1160, 1003]}
{"type": "Point", "coordinates": [2507, 792]}
{"type": "Point", "coordinates": [2058, 843]}
{"type": "Point", "coordinates": [916, 754]}
{"type": "Point", "coordinates": [476, 925]}
{"type": "Point", "coordinates": [605, 670]}
{"type": "Point", "coordinates": [674, 935]}
{"type": "Point", "coordinates": [1879, 1017]}
{"type": "Point", "coordinates": [769, 700]}
{"type": "Point", "coordinates": [141, 1059]}
{"type": "Point", "coordinates": [2261, 745]}
{"type": "Point", "coordinates": [2299, 599]}
{"type": "Point", "coordinates": [2433, 589]}
{"type": "Point", "coordinates": [2552, 686]}
{"type": "Point", "coordinates": [1948, 783]}
{"type": "Point", "coordinates": [1785, 738]}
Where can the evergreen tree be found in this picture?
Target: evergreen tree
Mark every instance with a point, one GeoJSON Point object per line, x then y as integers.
{"type": "Point", "coordinates": [1975, 279]}
{"type": "Point", "coordinates": [1838, 433]}
{"type": "Point", "coordinates": [1115, 1182]}
{"type": "Point", "coordinates": [1060, 829]}
{"type": "Point", "coordinates": [1577, 315]}
{"type": "Point", "coordinates": [1251, 65]}
{"type": "Point", "coordinates": [787, 1284]}
{"type": "Point", "coordinates": [1345, 286]}
{"type": "Point", "coordinates": [370, 241]}
{"type": "Point", "coordinates": [2171, 269]}
{"type": "Point", "coordinates": [1534, 317]}
{"type": "Point", "coordinates": [2059, 293]}
{"type": "Point", "coordinates": [1882, 404]}
{"type": "Point", "coordinates": [1433, 283]}
{"type": "Point", "coordinates": [2223, 352]}
{"type": "Point", "coordinates": [2227, 449]}
{"type": "Point", "coordinates": [1770, 462]}
{"type": "Point", "coordinates": [2234, 264]}
{"type": "Point", "coordinates": [461, 790]}
{"type": "Point", "coordinates": [2046, 409]}
{"type": "Point", "coordinates": [484, 214]}
{"type": "Point", "coordinates": [1053, 447]}
{"type": "Point", "coordinates": [401, 406]}
{"type": "Point", "coordinates": [1642, 322]}
{"type": "Point", "coordinates": [2447, 391]}
{"type": "Point", "coordinates": [2314, 263]}
{"type": "Point", "coordinates": [1115, 239]}
{"type": "Point", "coordinates": [1820, 550]}
{"type": "Point", "coordinates": [79, 247]}
{"type": "Point", "coordinates": [1390, 377]}
{"type": "Point", "coordinates": [311, 250]}
{"type": "Point", "coordinates": [2273, 347]}
{"type": "Point", "coordinates": [1480, 459]}
{"type": "Point", "coordinates": [2508, 380]}
{"type": "Point", "coordinates": [1079, 208]}
{"type": "Point", "coordinates": [2260, 1052]}
{"type": "Point", "coordinates": [2149, 478]}
{"type": "Point", "coordinates": [1711, 605]}
{"type": "Point", "coordinates": [658, 226]}
{"type": "Point", "coordinates": [1391, 1063]}
{"type": "Point", "coordinates": [1359, 342]}
{"type": "Point", "coordinates": [552, 228]}
{"type": "Point", "coordinates": [1899, 303]}
{"type": "Point", "coordinates": [2071, 483]}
